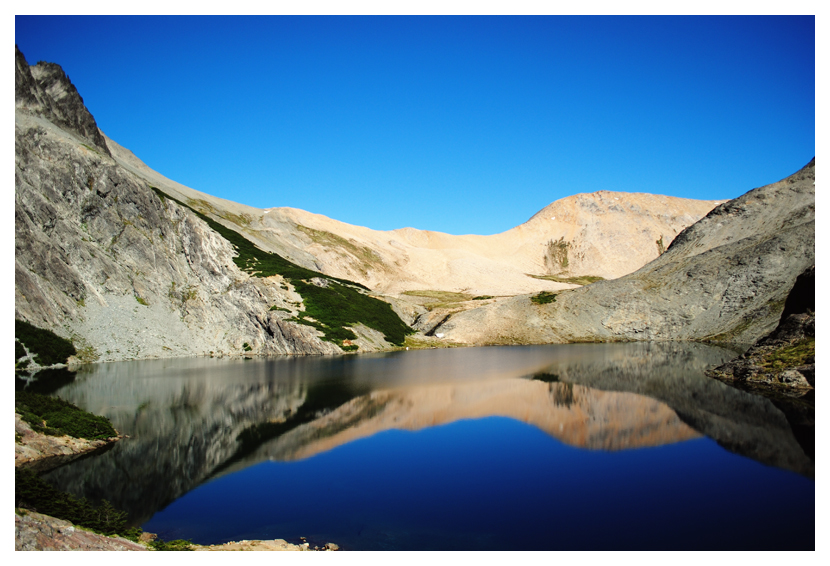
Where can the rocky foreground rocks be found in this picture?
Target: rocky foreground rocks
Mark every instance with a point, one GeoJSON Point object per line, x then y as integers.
{"type": "Point", "coordinates": [35, 531]}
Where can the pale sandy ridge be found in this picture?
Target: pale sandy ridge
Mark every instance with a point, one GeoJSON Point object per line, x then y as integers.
{"type": "Point", "coordinates": [605, 234]}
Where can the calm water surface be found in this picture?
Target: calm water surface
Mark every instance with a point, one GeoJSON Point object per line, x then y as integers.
{"type": "Point", "coordinates": [567, 447]}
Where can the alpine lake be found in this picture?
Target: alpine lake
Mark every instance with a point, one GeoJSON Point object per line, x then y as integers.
{"type": "Point", "coordinates": [559, 447]}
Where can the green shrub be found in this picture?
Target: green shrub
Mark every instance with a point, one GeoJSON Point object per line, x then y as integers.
{"type": "Point", "coordinates": [482, 297]}
{"type": "Point", "coordinates": [49, 348]}
{"type": "Point", "coordinates": [56, 417]}
{"type": "Point", "coordinates": [178, 544]}
{"type": "Point", "coordinates": [31, 492]}
{"type": "Point", "coordinates": [543, 298]}
{"type": "Point", "coordinates": [19, 352]}
{"type": "Point", "coordinates": [246, 347]}
{"type": "Point", "coordinates": [337, 306]}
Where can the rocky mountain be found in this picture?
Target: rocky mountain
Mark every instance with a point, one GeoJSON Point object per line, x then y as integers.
{"type": "Point", "coordinates": [724, 278]}
{"type": "Point", "coordinates": [124, 272]}
{"type": "Point", "coordinates": [603, 234]}
{"type": "Point", "coordinates": [45, 90]}
{"type": "Point", "coordinates": [129, 264]}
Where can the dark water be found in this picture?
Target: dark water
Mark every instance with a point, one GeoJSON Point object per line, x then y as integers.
{"type": "Point", "coordinates": [573, 447]}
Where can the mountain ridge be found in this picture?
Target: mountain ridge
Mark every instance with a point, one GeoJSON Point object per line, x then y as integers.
{"type": "Point", "coordinates": [103, 258]}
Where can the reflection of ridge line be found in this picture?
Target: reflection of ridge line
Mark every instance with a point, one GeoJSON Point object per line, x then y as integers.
{"type": "Point", "coordinates": [319, 398]}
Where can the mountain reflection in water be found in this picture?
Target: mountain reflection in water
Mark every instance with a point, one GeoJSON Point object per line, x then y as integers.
{"type": "Point", "coordinates": [191, 420]}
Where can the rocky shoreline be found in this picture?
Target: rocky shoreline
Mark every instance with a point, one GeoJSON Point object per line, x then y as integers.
{"type": "Point", "coordinates": [36, 531]}
{"type": "Point", "coordinates": [40, 452]}
{"type": "Point", "coordinates": [783, 362]}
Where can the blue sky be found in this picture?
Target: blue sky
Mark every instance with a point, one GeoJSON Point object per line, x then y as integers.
{"type": "Point", "coordinates": [455, 124]}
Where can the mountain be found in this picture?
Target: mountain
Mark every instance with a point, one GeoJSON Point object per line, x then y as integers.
{"type": "Point", "coordinates": [129, 264]}
{"type": "Point", "coordinates": [724, 278]}
{"type": "Point", "coordinates": [124, 272]}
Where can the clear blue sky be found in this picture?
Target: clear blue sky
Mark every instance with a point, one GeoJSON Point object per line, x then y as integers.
{"type": "Point", "coordinates": [456, 124]}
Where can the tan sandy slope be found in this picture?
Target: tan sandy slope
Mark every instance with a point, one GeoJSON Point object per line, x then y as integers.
{"type": "Point", "coordinates": [604, 234]}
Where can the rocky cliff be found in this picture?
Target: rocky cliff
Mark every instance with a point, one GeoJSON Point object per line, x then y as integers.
{"type": "Point", "coordinates": [724, 278]}
{"type": "Point", "coordinates": [103, 259]}
{"type": "Point", "coordinates": [783, 362]}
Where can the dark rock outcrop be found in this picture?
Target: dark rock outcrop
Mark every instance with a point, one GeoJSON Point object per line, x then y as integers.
{"type": "Point", "coordinates": [784, 361]}
{"type": "Point", "coordinates": [45, 90]}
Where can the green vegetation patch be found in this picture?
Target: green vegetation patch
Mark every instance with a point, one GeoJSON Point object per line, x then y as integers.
{"type": "Point", "coordinates": [48, 347]}
{"type": "Point", "coordinates": [798, 354]}
{"type": "Point", "coordinates": [578, 280]}
{"type": "Point", "coordinates": [543, 298]}
{"type": "Point", "coordinates": [338, 306]}
{"type": "Point", "coordinates": [333, 307]}
{"type": "Point", "coordinates": [443, 296]}
{"type": "Point", "coordinates": [56, 417]}
{"type": "Point", "coordinates": [731, 334]}
{"type": "Point", "coordinates": [31, 492]}
{"type": "Point", "coordinates": [439, 299]}
{"type": "Point", "coordinates": [482, 297]}
{"type": "Point", "coordinates": [178, 544]}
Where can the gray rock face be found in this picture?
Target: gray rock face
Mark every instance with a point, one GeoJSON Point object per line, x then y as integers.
{"type": "Point", "coordinates": [725, 278]}
{"type": "Point", "coordinates": [103, 260]}
{"type": "Point", "coordinates": [45, 90]}
{"type": "Point", "coordinates": [782, 362]}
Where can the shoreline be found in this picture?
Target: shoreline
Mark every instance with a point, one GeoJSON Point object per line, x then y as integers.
{"type": "Point", "coordinates": [37, 531]}
{"type": "Point", "coordinates": [41, 452]}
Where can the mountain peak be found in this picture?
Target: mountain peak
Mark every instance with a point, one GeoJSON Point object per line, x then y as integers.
{"type": "Point", "coordinates": [45, 90]}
